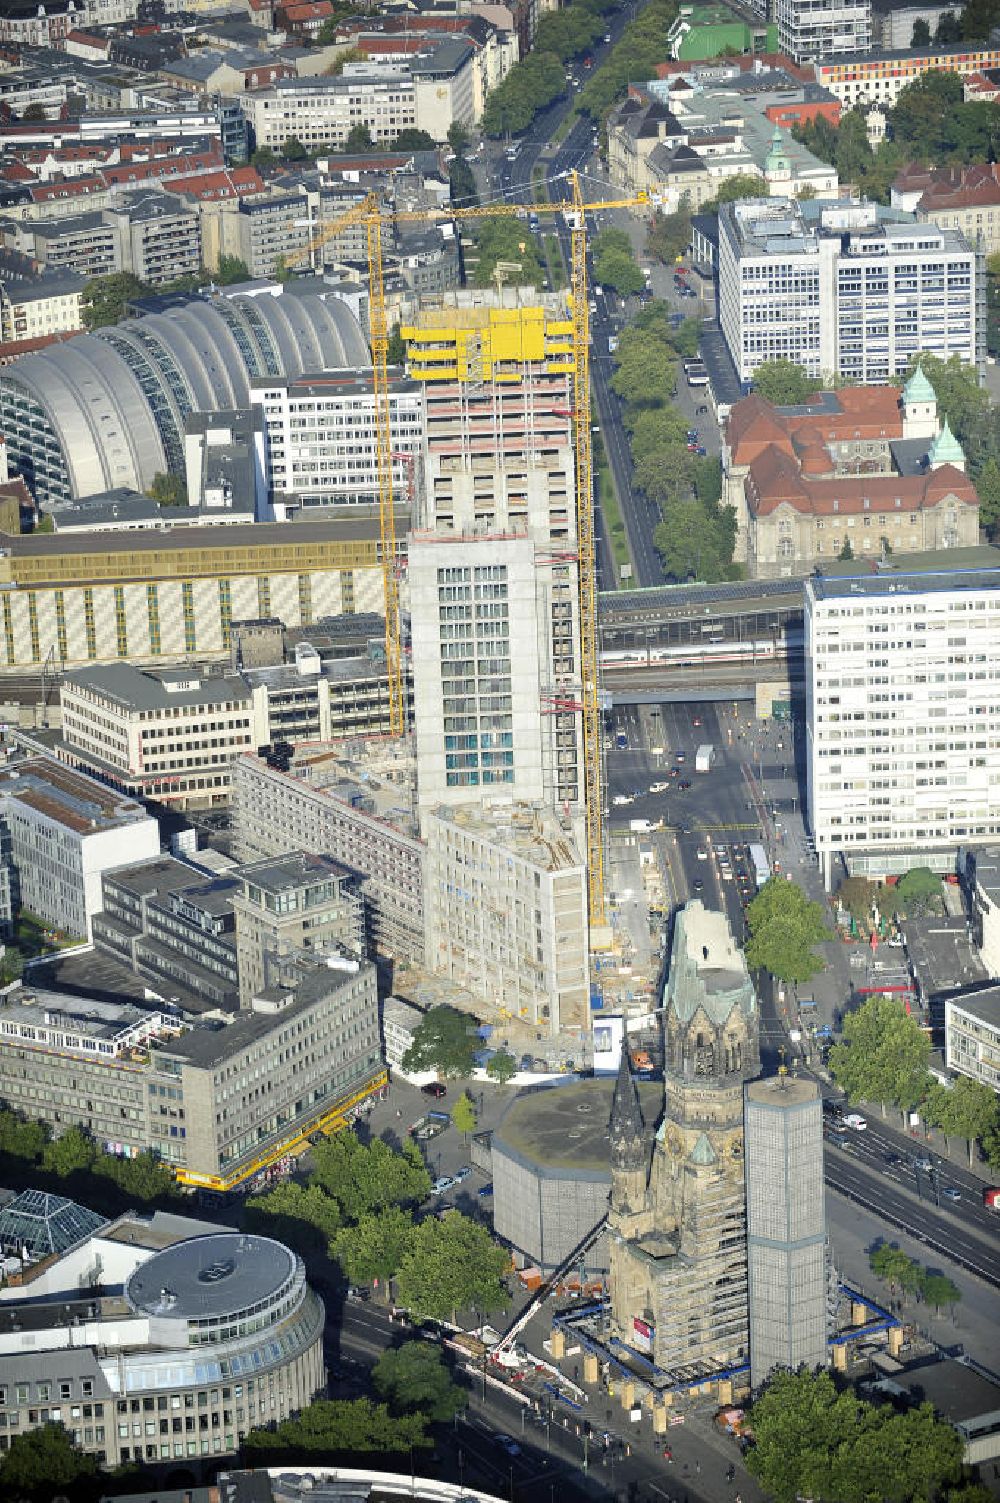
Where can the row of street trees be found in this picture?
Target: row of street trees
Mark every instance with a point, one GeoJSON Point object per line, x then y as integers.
{"type": "Point", "coordinates": [539, 78]}
{"type": "Point", "coordinates": [358, 1205]}
{"type": "Point", "coordinates": [78, 1166]}
{"type": "Point", "coordinates": [697, 533]}
{"type": "Point", "coordinates": [883, 1056]}
{"type": "Point", "coordinates": [907, 1278]}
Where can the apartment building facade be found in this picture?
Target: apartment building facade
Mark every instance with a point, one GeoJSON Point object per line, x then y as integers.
{"type": "Point", "coordinates": [505, 909]}
{"type": "Point", "coordinates": [840, 292]}
{"type": "Point", "coordinates": [274, 812]}
{"type": "Point", "coordinates": [153, 235]}
{"type": "Point", "coordinates": [879, 77]}
{"type": "Point", "coordinates": [903, 716]}
{"type": "Point", "coordinates": [807, 31]}
{"type": "Point", "coordinates": [492, 572]}
{"type": "Point", "coordinates": [41, 308]}
{"type": "Point", "coordinates": [170, 735]}
{"type": "Point", "coordinates": [64, 831]}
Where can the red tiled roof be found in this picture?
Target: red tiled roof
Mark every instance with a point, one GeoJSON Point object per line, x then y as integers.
{"type": "Point", "coordinates": [236, 182]}
{"type": "Point", "coordinates": [774, 480]}
{"type": "Point", "coordinates": [76, 187]}
{"type": "Point", "coordinates": [866, 412]}
{"type": "Point", "coordinates": [183, 164]}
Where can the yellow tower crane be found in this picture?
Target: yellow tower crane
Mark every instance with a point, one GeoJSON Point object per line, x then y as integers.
{"type": "Point", "coordinates": [370, 211]}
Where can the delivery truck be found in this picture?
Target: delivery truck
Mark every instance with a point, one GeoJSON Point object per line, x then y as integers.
{"type": "Point", "coordinates": [704, 757]}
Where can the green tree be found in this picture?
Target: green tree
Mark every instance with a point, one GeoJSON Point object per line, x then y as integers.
{"type": "Point", "coordinates": [168, 490]}
{"type": "Point", "coordinates": [645, 369]}
{"type": "Point", "coordinates": [857, 895]}
{"type": "Point", "coordinates": [143, 1178]}
{"type": "Point", "coordinates": [669, 235]}
{"type": "Point", "coordinates": [917, 891]}
{"type": "Point", "coordinates": [882, 1055]}
{"type": "Point", "coordinates": [105, 299]}
{"type": "Point", "coordinates": [784, 383]}
{"type": "Point", "coordinates": [72, 1153]}
{"type": "Point", "coordinates": [45, 1462]}
{"type": "Point", "coordinates": [396, 351]}
{"type": "Point", "coordinates": [21, 1139]}
{"type": "Point", "coordinates": [784, 928]}
{"type": "Point", "coordinates": [332, 1427]}
{"type": "Point", "coordinates": [34, 112]}
{"type": "Point", "coordinates": [846, 551]}
{"type": "Point", "coordinates": [615, 264]}
{"type": "Point", "coordinates": [463, 1115]}
{"type": "Point", "coordinates": [458, 138]}
{"type": "Point", "coordinates": [462, 183]}
{"type": "Point", "coordinates": [367, 1178]}
{"type": "Point", "coordinates": [501, 1067]}
{"type": "Point", "coordinates": [450, 1265]}
{"type": "Point", "coordinates": [231, 270]}
{"type": "Point", "coordinates": [293, 1208]}
{"type": "Point", "coordinates": [294, 151]}
{"type": "Point", "coordinates": [921, 34]}
{"type": "Point", "coordinates": [938, 1290]}
{"type": "Point", "coordinates": [731, 189]}
{"type": "Point", "coordinates": [507, 240]}
{"type": "Point", "coordinates": [988, 487]}
{"type": "Point", "coordinates": [349, 55]}
{"type": "Point", "coordinates": [359, 138]}
{"type": "Point", "coordinates": [948, 30]}
{"type": "Point", "coordinates": [693, 540]}
{"type": "Point", "coordinates": [263, 157]}
{"type": "Point", "coordinates": [414, 1376]}
{"type": "Point", "coordinates": [375, 1247]}
{"type": "Point", "coordinates": [974, 1111]}
{"type": "Point", "coordinates": [899, 1271]}
{"type": "Point", "coordinates": [530, 86]}
{"type": "Point", "coordinates": [655, 429]}
{"type": "Point", "coordinates": [446, 1040]}
{"type": "Point", "coordinates": [413, 139]}
{"type": "Point", "coordinates": [812, 1440]}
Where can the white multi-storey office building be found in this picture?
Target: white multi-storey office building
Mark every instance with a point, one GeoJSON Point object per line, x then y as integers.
{"type": "Point", "coordinates": [322, 440]}
{"type": "Point", "coordinates": [839, 292]}
{"type": "Point", "coordinates": [323, 111]}
{"type": "Point", "coordinates": [807, 29]}
{"type": "Point", "coordinates": [903, 716]}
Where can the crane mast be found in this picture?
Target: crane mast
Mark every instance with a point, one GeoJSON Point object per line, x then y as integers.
{"type": "Point", "coordinates": [587, 567]}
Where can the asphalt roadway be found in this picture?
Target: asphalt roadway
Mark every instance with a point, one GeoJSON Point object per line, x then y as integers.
{"type": "Point", "coordinates": [876, 1170]}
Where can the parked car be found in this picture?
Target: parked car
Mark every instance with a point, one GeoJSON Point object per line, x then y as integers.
{"type": "Point", "coordinates": [658, 787]}
{"type": "Point", "coordinates": [461, 1174]}
{"type": "Point", "coordinates": [509, 1444]}
{"type": "Point", "coordinates": [950, 1192]}
{"type": "Point", "coordinates": [440, 1186]}
{"type": "Point", "coordinates": [485, 1192]}
{"type": "Point", "coordinates": [356, 1292]}
{"type": "Point", "coordinates": [434, 1088]}
{"type": "Point", "coordinates": [684, 784]}
{"type": "Point", "coordinates": [855, 1121]}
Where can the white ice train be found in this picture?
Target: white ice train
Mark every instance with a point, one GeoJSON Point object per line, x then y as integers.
{"type": "Point", "coordinates": [697, 654]}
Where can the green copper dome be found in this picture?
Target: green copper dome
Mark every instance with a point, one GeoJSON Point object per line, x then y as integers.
{"type": "Point", "coordinates": [945, 449]}
{"type": "Point", "coordinates": [918, 388]}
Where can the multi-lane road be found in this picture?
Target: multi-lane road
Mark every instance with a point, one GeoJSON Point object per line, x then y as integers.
{"type": "Point", "coordinates": [720, 811]}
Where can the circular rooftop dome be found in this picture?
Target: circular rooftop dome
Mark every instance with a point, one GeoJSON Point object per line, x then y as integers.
{"type": "Point", "coordinates": [209, 1279]}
